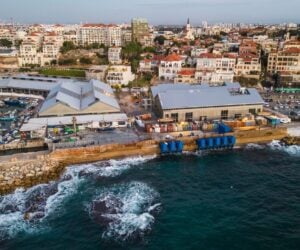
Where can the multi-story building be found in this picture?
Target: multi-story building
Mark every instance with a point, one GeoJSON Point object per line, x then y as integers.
{"type": "Point", "coordinates": [169, 66]}
{"type": "Point", "coordinates": [114, 55]}
{"type": "Point", "coordinates": [29, 54]}
{"type": "Point", "coordinates": [213, 68]}
{"type": "Point", "coordinates": [286, 60]}
{"type": "Point", "coordinates": [197, 51]}
{"type": "Point", "coordinates": [119, 75]}
{"type": "Point", "coordinates": [151, 64]}
{"type": "Point", "coordinates": [248, 47]}
{"type": "Point", "coordinates": [126, 36]}
{"type": "Point", "coordinates": [50, 51]}
{"type": "Point", "coordinates": [109, 35]}
{"type": "Point", "coordinates": [139, 28]}
{"type": "Point", "coordinates": [186, 75]}
{"type": "Point", "coordinates": [248, 65]}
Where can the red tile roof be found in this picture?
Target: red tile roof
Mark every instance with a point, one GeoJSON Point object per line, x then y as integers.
{"type": "Point", "coordinates": [172, 58]}
{"type": "Point", "coordinates": [209, 55]}
{"type": "Point", "coordinates": [292, 50]}
{"type": "Point", "coordinates": [187, 72]}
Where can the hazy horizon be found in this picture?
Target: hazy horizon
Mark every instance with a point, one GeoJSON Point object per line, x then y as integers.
{"type": "Point", "coordinates": [156, 11]}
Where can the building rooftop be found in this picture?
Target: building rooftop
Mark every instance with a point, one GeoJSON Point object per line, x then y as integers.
{"type": "Point", "coordinates": [183, 96]}
{"type": "Point", "coordinates": [80, 95]}
{"type": "Point", "coordinates": [38, 123]}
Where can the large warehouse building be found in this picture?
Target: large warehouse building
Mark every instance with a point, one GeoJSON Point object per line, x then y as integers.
{"type": "Point", "coordinates": [182, 102]}
{"type": "Point", "coordinates": [75, 98]}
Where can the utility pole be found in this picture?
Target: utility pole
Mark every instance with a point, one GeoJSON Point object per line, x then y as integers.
{"type": "Point", "coordinates": [74, 125]}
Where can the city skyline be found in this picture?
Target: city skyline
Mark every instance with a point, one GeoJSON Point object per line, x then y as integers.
{"type": "Point", "coordinates": [157, 12]}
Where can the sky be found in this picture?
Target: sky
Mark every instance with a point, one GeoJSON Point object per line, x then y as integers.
{"type": "Point", "coordinates": [156, 11]}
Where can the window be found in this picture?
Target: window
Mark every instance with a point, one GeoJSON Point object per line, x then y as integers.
{"type": "Point", "coordinates": [166, 115]}
{"type": "Point", "coordinates": [203, 118]}
{"type": "Point", "coordinates": [189, 116]}
{"type": "Point", "coordinates": [252, 111]}
{"type": "Point", "coordinates": [236, 116]}
{"type": "Point", "coordinates": [224, 114]}
{"type": "Point", "coordinates": [174, 116]}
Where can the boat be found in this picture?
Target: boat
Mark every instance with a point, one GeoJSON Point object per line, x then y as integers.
{"type": "Point", "coordinates": [16, 103]}
{"type": "Point", "coordinates": [105, 129]}
{"type": "Point", "coordinates": [7, 119]}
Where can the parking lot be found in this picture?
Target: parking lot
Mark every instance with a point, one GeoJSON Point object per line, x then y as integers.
{"type": "Point", "coordinates": [287, 104]}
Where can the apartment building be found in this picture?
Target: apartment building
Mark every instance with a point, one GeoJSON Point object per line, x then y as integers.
{"type": "Point", "coordinates": [114, 55]}
{"type": "Point", "coordinates": [29, 54]}
{"type": "Point", "coordinates": [109, 35]}
{"type": "Point", "coordinates": [186, 75]}
{"type": "Point", "coordinates": [139, 28]}
{"type": "Point", "coordinates": [214, 68]}
{"type": "Point", "coordinates": [119, 75]}
{"type": "Point", "coordinates": [150, 65]}
{"type": "Point", "coordinates": [169, 66]}
{"type": "Point", "coordinates": [286, 60]}
{"type": "Point", "coordinates": [248, 65]}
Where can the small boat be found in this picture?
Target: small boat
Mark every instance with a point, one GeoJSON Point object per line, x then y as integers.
{"type": "Point", "coordinates": [105, 129]}
{"type": "Point", "coordinates": [16, 103]}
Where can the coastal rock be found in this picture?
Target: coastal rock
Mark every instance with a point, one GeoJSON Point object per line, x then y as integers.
{"type": "Point", "coordinates": [102, 210]}
{"type": "Point", "coordinates": [291, 140]}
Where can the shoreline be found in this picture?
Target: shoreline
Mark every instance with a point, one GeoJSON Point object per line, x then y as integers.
{"type": "Point", "coordinates": [43, 168]}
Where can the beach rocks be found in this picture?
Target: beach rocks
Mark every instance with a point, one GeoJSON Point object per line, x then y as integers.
{"type": "Point", "coordinates": [291, 140]}
{"type": "Point", "coordinates": [102, 210]}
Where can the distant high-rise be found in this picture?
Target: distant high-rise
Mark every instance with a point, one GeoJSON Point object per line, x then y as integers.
{"type": "Point", "coordinates": [140, 29]}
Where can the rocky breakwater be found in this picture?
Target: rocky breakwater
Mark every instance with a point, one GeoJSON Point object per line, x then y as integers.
{"type": "Point", "coordinates": [104, 152]}
{"type": "Point", "coordinates": [291, 140]}
{"type": "Point", "coordinates": [26, 173]}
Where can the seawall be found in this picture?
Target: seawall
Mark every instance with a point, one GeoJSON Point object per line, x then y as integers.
{"type": "Point", "coordinates": [40, 168]}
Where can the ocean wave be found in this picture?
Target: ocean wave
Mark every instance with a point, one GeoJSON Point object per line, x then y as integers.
{"type": "Point", "coordinates": [126, 211]}
{"type": "Point", "coordinates": [293, 150]}
{"type": "Point", "coordinates": [24, 210]}
{"type": "Point", "coordinates": [254, 146]}
{"type": "Point", "coordinates": [111, 168]}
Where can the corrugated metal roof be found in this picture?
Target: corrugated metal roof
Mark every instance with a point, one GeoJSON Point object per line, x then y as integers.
{"type": "Point", "coordinates": [27, 84]}
{"type": "Point", "coordinates": [204, 96]}
{"type": "Point", "coordinates": [81, 95]}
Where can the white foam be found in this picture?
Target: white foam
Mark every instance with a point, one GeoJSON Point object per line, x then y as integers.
{"type": "Point", "coordinates": [13, 222]}
{"type": "Point", "coordinates": [111, 168]}
{"type": "Point", "coordinates": [254, 146]}
{"type": "Point", "coordinates": [134, 217]}
{"type": "Point", "coordinates": [293, 150]}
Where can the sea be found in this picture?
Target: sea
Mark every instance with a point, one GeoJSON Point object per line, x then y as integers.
{"type": "Point", "coordinates": [247, 198]}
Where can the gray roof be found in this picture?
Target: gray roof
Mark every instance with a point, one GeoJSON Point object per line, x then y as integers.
{"type": "Point", "coordinates": [197, 96]}
{"type": "Point", "coordinates": [34, 84]}
{"type": "Point", "coordinates": [80, 95]}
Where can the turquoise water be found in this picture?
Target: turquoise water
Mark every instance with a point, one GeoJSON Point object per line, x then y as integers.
{"type": "Point", "coordinates": [241, 199]}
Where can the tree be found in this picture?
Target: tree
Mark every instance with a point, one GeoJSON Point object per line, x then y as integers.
{"type": "Point", "coordinates": [5, 43]}
{"type": "Point", "coordinates": [85, 60]}
{"type": "Point", "coordinates": [160, 40]}
{"type": "Point", "coordinates": [149, 49]}
{"type": "Point", "coordinates": [18, 43]}
{"type": "Point", "coordinates": [132, 51]}
{"type": "Point", "coordinates": [67, 46]}
{"type": "Point", "coordinates": [66, 61]}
